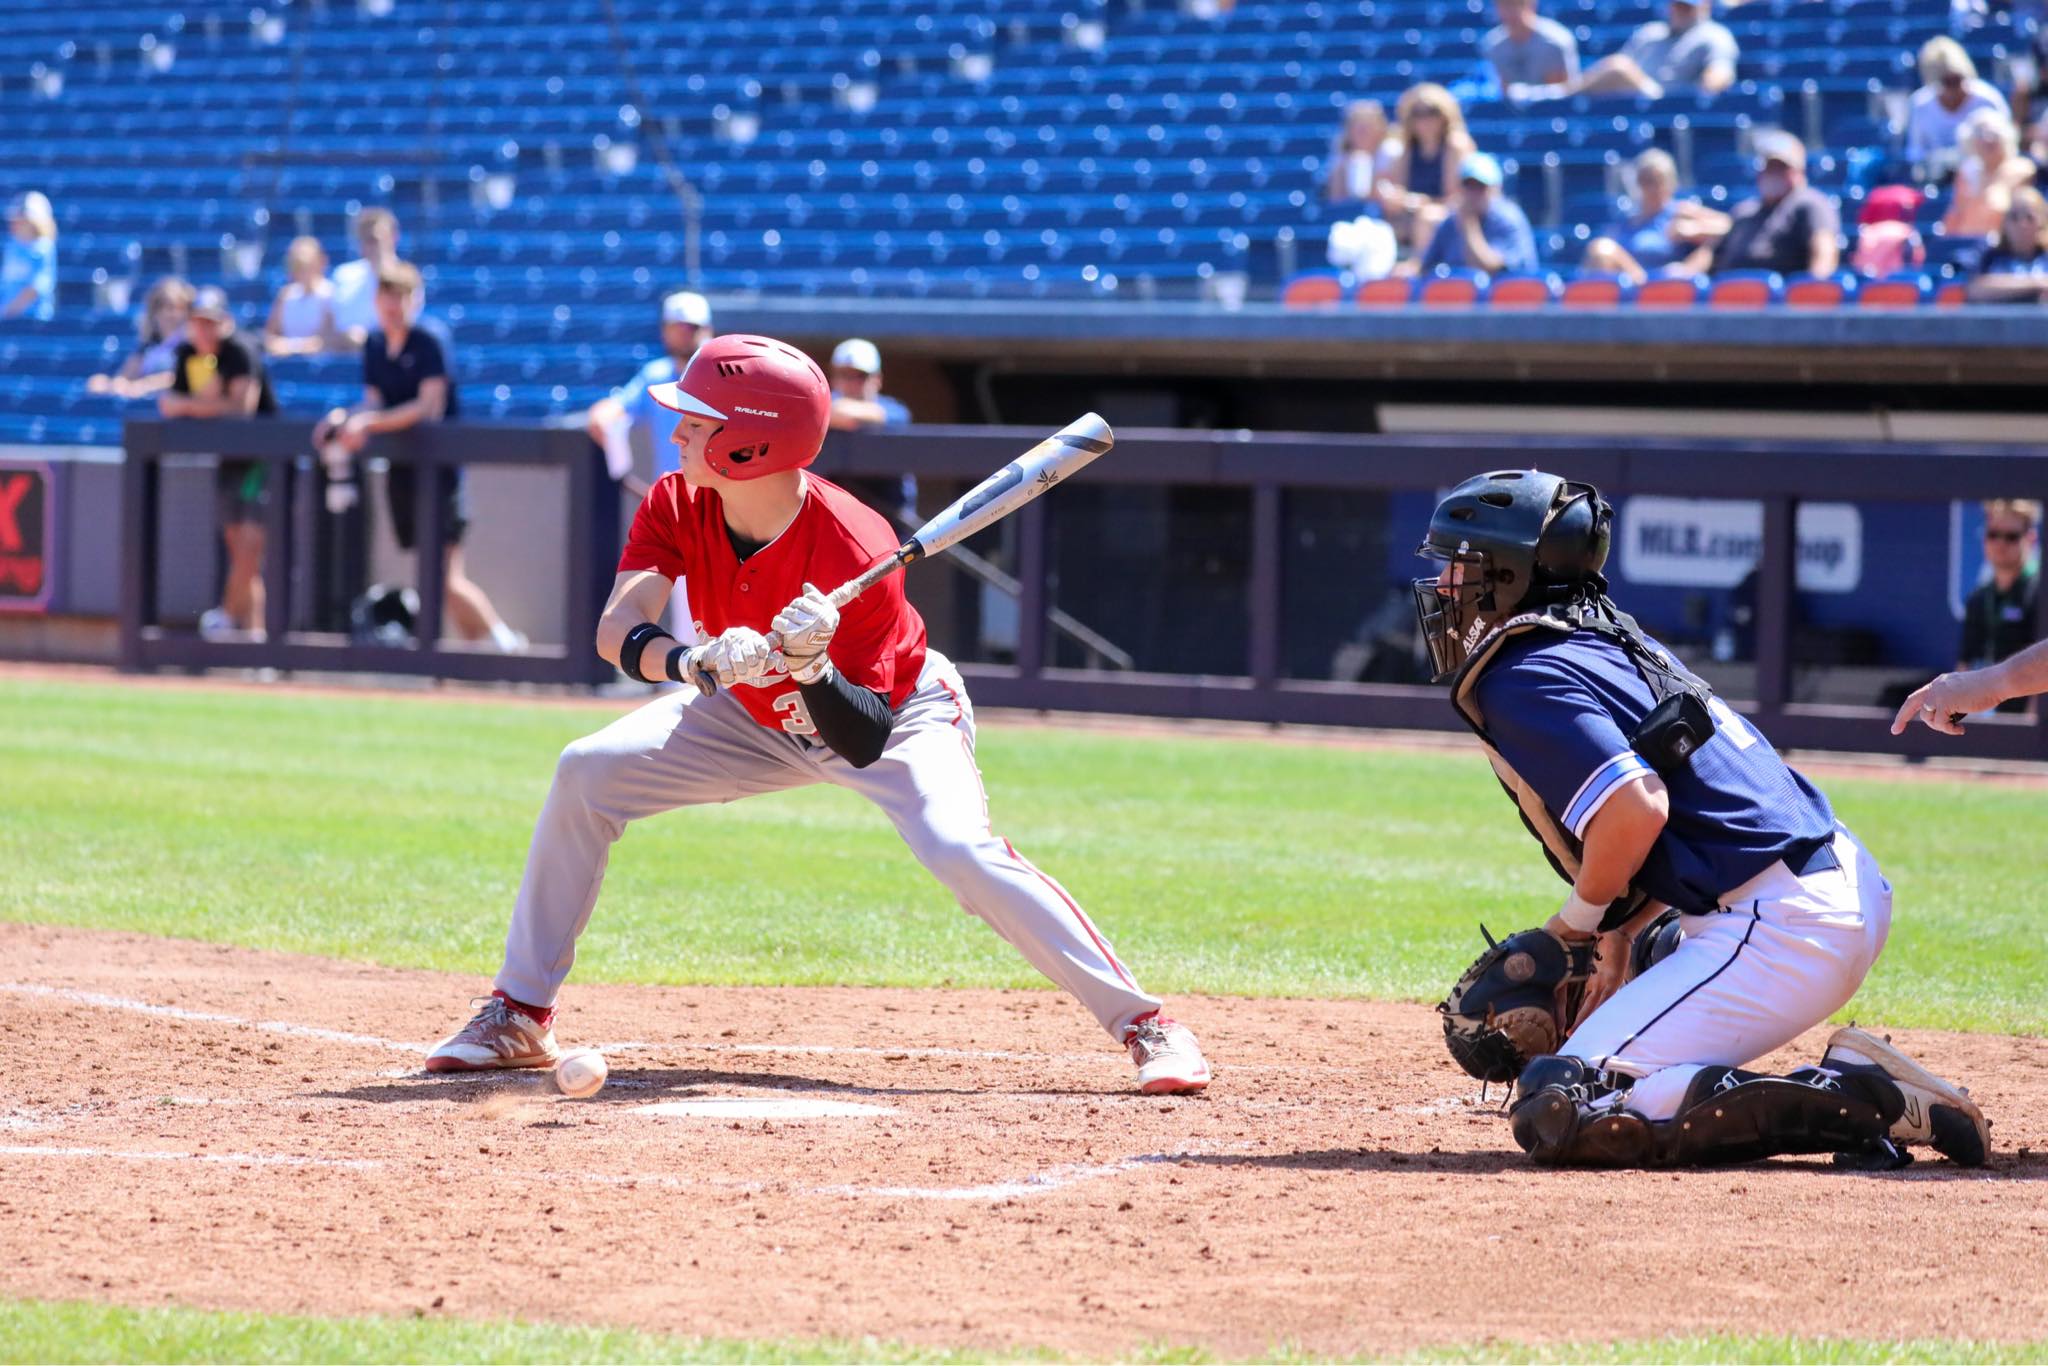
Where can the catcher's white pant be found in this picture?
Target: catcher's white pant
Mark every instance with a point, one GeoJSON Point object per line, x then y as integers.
{"type": "Point", "coordinates": [685, 749]}
{"type": "Point", "coordinates": [1783, 954]}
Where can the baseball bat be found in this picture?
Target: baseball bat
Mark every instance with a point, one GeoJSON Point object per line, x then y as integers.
{"type": "Point", "coordinates": [1056, 458]}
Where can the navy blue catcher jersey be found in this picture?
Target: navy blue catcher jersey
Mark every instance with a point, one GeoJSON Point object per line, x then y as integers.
{"type": "Point", "coordinates": [1559, 709]}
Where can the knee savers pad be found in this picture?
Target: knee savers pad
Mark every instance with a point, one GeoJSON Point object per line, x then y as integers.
{"type": "Point", "coordinates": [1656, 942]}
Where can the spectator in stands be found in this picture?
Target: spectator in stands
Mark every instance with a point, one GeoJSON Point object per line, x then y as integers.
{"type": "Point", "coordinates": [302, 315]}
{"type": "Point", "coordinates": [1487, 231]}
{"type": "Point", "coordinates": [159, 331]}
{"type": "Point", "coordinates": [1789, 227]}
{"type": "Point", "coordinates": [28, 267]}
{"type": "Point", "coordinates": [1419, 186]}
{"type": "Point", "coordinates": [1360, 154]}
{"type": "Point", "coordinates": [685, 326]}
{"type": "Point", "coordinates": [1949, 94]}
{"type": "Point", "coordinates": [2015, 269]}
{"type": "Point", "coordinates": [1660, 233]}
{"type": "Point", "coordinates": [857, 397]}
{"type": "Point", "coordinates": [1534, 57]}
{"type": "Point", "coordinates": [1687, 51]}
{"type": "Point", "coordinates": [1998, 617]}
{"type": "Point", "coordinates": [406, 382]}
{"type": "Point", "coordinates": [355, 282]}
{"type": "Point", "coordinates": [1990, 170]}
{"type": "Point", "coordinates": [219, 373]}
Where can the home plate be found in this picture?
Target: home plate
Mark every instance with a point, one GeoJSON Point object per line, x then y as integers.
{"type": "Point", "coordinates": [763, 1107]}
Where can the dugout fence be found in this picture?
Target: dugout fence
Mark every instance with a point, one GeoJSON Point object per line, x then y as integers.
{"type": "Point", "coordinates": [1260, 481]}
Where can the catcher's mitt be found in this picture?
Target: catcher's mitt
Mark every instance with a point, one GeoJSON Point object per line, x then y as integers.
{"type": "Point", "coordinates": [1517, 1001]}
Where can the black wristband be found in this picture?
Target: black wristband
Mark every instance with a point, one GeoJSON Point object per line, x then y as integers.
{"type": "Point", "coordinates": [634, 645]}
{"type": "Point", "coordinates": [673, 665]}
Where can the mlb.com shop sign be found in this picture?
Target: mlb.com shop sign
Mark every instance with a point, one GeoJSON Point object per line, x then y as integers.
{"type": "Point", "coordinates": [1715, 543]}
{"type": "Point", "coordinates": [24, 537]}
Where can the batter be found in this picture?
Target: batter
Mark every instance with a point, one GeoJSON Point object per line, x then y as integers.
{"type": "Point", "coordinates": [1648, 792]}
{"type": "Point", "coordinates": [854, 698]}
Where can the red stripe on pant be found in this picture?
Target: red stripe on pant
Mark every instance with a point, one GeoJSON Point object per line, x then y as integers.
{"type": "Point", "coordinates": [1079, 915]}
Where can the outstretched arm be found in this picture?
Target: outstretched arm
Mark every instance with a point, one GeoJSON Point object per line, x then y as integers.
{"type": "Point", "coordinates": [1942, 704]}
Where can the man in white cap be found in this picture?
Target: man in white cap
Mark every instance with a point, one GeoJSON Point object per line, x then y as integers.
{"type": "Point", "coordinates": [858, 402]}
{"type": "Point", "coordinates": [857, 397]}
{"type": "Point", "coordinates": [685, 326]}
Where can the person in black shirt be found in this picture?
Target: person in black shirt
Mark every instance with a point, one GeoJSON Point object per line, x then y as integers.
{"type": "Point", "coordinates": [217, 373]}
{"type": "Point", "coordinates": [1998, 617]}
{"type": "Point", "coordinates": [406, 381]}
{"type": "Point", "coordinates": [1790, 227]}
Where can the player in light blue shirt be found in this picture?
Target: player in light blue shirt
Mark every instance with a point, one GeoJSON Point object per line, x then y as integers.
{"type": "Point", "coordinates": [1647, 792]}
{"type": "Point", "coordinates": [685, 326]}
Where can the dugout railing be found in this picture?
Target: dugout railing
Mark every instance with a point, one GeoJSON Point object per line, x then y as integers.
{"type": "Point", "coordinates": [1266, 466]}
{"type": "Point", "coordinates": [589, 524]}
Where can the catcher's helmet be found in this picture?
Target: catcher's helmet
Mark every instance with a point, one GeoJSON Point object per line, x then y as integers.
{"type": "Point", "coordinates": [1515, 540]}
{"type": "Point", "coordinates": [770, 399]}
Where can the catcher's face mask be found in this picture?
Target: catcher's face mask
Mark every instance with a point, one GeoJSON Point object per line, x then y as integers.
{"type": "Point", "coordinates": [1454, 609]}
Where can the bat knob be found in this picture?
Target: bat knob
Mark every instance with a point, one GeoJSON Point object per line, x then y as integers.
{"type": "Point", "coordinates": [699, 673]}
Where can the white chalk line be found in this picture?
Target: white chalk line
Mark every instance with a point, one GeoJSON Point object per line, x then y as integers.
{"type": "Point", "coordinates": [1037, 1183]}
{"type": "Point", "coordinates": [103, 1001]}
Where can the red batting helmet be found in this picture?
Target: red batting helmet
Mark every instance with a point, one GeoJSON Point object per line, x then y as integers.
{"type": "Point", "coordinates": [771, 400]}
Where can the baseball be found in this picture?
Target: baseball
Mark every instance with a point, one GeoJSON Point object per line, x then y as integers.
{"type": "Point", "coordinates": [581, 1072]}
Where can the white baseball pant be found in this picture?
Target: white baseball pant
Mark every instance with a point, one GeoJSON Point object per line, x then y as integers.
{"type": "Point", "coordinates": [684, 749]}
{"type": "Point", "coordinates": [1783, 954]}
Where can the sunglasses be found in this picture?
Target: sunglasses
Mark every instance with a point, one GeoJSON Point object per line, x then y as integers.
{"type": "Point", "coordinates": [2008, 536]}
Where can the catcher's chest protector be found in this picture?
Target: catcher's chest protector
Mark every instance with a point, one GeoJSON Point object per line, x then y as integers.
{"type": "Point", "coordinates": [1559, 844]}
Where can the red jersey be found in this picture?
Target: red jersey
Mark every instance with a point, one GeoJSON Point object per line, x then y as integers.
{"type": "Point", "coordinates": [680, 533]}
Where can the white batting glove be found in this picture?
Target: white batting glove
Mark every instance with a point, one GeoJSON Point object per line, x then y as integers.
{"type": "Point", "coordinates": [739, 655]}
{"type": "Point", "coordinates": [806, 628]}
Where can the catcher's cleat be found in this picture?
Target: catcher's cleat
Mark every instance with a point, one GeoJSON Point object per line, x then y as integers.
{"type": "Point", "coordinates": [1935, 1113]}
{"type": "Point", "coordinates": [496, 1036]}
{"type": "Point", "coordinates": [1169, 1060]}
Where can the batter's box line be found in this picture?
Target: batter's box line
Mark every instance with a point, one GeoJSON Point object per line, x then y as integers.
{"type": "Point", "coordinates": [104, 1001]}
{"type": "Point", "coordinates": [1036, 1183]}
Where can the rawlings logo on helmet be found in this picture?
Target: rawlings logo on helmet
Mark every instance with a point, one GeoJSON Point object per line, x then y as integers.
{"type": "Point", "coordinates": [757, 412]}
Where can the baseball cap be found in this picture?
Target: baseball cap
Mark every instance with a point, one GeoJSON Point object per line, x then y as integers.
{"type": "Point", "coordinates": [212, 302]}
{"type": "Point", "coordinates": [1778, 145]}
{"type": "Point", "coordinates": [857, 353]}
{"type": "Point", "coordinates": [29, 204]}
{"type": "Point", "coordinates": [685, 306]}
{"type": "Point", "coordinates": [1480, 167]}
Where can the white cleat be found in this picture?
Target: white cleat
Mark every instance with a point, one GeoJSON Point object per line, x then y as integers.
{"type": "Point", "coordinates": [1169, 1060]}
{"type": "Point", "coordinates": [496, 1036]}
{"type": "Point", "coordinates": [1937, 1113]}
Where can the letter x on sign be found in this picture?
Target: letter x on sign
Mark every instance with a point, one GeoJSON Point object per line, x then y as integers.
{"type": "Point", "coordinates": [12, 491]}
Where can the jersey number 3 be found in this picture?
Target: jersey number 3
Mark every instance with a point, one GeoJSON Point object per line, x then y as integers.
{"type": "Point", "coordinates": [796, 717]}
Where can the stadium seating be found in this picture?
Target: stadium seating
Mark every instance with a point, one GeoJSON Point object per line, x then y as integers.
{"type": "Point", "coordinates": [917, 148]}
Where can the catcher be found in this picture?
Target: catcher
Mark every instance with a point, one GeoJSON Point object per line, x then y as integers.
{"type": "Point", "coordinates": [1718, 909]}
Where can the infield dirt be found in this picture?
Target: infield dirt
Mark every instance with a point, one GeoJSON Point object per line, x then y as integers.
{"type": "Point", "coordinates": [191, 1124]}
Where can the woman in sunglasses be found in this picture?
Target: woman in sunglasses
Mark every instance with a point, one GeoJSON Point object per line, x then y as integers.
{"type": "Point", "coordinates": [2001, 666]}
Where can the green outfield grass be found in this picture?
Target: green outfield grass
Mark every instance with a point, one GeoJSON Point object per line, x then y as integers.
{"type": "Point", "coordinates": [394, 830]}
{"type": "Point", "coordinates": [35, 1331]}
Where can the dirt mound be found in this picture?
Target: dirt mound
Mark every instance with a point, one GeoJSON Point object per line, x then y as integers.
{"type": "Point", "coordinates": [199, 1125]}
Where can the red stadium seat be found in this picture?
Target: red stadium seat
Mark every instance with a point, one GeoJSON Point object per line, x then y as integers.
{"type": "Point", "coordinates": [1522, 291]}
{"type": "Point", "coordinates": [1808, 292]}
{"type": "Point", "coordinates": [1744, 289]}
{"type": "Point", "coordinates": [1952, 294]}
{"type": "Point", "coordinates": [1595, 291]}
{"type": "Point", "coordinates": [1395, 291]}
{"type": "Point", "coordinates": [1895, 291]}
{"type": "Point", "coordinates": [1669, 294]}
{"type": "Point", "coordinates": [1320, 290]}
{"type": "Point", "coordinates": [1452, 291]}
